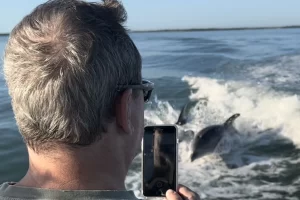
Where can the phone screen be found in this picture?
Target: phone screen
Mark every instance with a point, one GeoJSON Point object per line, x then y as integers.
{"type": "Point", "coordinates": [159, 160]}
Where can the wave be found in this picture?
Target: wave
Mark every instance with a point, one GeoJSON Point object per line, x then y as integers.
{"type": "Point", "coordinates": [261, 107]}
{"type": "Point", "coordinates": [268, 140]}
{"type": "Point", "coordinates": [280, 72]}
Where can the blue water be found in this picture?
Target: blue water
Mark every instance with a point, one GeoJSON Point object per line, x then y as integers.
{"type": "Point", "coordinates": [251, 72]}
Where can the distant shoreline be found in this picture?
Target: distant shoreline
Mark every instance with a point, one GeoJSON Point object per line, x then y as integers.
{"type": "Point", "coordinates": [202, 29]}
{"type": "Point", "coordinates": [213, 29]}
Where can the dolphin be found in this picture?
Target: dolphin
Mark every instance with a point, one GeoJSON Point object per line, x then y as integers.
{"type": "Point", "coordinates": [208, 138]}
{"type": "Point", "coordinates": [184, 113]}
{"type": "Point", "coordinates": [182, 120]}
{"type": "Point", "coordinates": [183, 116]}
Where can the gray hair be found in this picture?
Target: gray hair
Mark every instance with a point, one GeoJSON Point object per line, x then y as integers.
{"type": "Point", "coordinates": [62, 63]}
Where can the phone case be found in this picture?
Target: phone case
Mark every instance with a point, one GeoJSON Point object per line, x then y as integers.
{"type": "Point", "coordinates": [142, 150]}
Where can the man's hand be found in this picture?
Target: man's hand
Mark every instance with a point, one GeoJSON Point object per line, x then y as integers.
{"type": "Point", "coordinates": [184, 193]}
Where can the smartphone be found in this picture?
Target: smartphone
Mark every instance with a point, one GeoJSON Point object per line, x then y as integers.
{"type": "Point", "coordinates": [160, 160]}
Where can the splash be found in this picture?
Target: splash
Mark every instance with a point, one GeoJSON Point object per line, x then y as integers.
{"type": "Point", "coordinates": [268, 119]}
{"type": "Point", "coordinates": [260, 107]}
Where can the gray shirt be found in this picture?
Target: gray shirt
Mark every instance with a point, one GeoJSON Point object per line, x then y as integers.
{"type": "Point", "coordinates": [10, 192]}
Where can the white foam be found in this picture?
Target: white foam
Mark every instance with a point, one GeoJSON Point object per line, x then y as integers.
{"type": "Point", "coordinates": [285, 70]}
{"type": "Point", "coordinates": [260, 107]}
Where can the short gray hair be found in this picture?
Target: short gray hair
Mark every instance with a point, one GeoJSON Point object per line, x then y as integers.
{"type": "Point", "coordinates": [62, 63]}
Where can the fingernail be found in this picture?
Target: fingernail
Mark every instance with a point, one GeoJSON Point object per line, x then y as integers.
{"type": "Point", "coordinates": [169, 191]}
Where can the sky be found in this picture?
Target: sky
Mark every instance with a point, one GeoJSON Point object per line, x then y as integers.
{"type": "Point", "coordinates": [179, 14]}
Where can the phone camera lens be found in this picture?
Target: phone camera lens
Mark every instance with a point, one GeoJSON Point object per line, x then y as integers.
{"type": "Point", "coordinates": [159, 184]}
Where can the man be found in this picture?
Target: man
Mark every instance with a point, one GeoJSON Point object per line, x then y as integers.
{"type": "Point", "coordinates": [74, 76]}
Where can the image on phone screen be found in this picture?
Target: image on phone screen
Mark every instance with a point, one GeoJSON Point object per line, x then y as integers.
{"type": "Point", "coordinates": [159, 160]}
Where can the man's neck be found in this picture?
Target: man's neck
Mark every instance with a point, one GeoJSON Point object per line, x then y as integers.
{"type": "Point", "coordinates": [99, 167]}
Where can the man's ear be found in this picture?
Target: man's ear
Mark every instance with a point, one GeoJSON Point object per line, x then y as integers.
{"type": "Point", "coordinates": [123, 111]}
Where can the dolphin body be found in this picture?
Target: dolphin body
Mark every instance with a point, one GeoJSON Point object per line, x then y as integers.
{"type": "Point", "coordinates": [182, 120]}
{"type": "Point", "coordinates": [184, 113]}
{"type": "Point", "coordinates": [206, 140]}
{"type": "Point", "coordinates": [183, 116]}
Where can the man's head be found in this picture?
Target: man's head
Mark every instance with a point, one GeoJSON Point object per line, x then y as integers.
{"type": "Point", "coordinates": [69, 65]}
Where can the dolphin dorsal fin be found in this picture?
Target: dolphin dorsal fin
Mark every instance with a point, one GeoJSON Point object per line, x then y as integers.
{"type": "Point", "coordinates": [231, 119]}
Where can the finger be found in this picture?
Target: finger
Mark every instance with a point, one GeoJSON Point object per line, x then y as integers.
{"type": "Point", "coordinates": [172, 195]}
{"type": "Point", "coordinates": [187, 193]}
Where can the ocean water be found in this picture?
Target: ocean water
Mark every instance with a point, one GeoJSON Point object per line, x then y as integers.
{"type": "Point", "coordinates": [252, 72]}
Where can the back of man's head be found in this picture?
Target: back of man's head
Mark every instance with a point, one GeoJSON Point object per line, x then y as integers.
{"type": "Point", "coordinates": [62, 65]}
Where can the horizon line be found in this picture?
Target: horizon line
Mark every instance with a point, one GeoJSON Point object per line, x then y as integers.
{"type": "Point", "coordinates": [217, 29]}
{"type": "Point", "coordinates": [204, 29]}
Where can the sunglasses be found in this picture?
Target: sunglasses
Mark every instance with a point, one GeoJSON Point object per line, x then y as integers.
{"type": "Point", "coordinates": [147, 87]}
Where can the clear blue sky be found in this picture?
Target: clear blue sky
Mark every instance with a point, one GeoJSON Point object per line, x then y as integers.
{"type": "Point", "coordinates": [178, 14]}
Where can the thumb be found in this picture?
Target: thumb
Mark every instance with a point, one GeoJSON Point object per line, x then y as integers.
{"type": "Point", "coordinates": [172, 195]}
